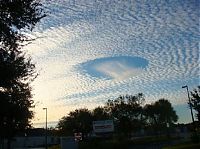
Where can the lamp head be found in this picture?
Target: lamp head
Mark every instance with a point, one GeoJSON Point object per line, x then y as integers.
{"type": "Point", "coordinates": [184, 86]}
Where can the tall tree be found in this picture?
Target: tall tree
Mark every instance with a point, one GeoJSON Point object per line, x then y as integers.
{"type": "Point", "coordinates": [151, 114]}
{"type": "Point", "coordinates": [15, 94]}
{"type": "Point", "coordinates": [195, 101]}
{"type": "Point", "coordinates": [17, 71]}
{"type": "Point", "coordinates": [76, 121]}
{"type": "Point", "coordinates": [127, 112]}
{"type": "Point", "coordinates": [17, 17]}
{"type": "Point", "coordinates": [160, 114]}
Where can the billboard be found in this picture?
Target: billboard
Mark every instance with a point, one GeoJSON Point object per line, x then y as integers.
{"type": "Point", "coordinates": [103, 126]}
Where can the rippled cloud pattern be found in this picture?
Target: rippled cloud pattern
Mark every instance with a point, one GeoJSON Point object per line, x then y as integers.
{"type": "Point", "coordinates": [86, 46]}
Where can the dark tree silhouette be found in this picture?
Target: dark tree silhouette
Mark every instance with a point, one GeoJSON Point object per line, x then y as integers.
{"type": "Point", "coordinates": [15, 93]}
{"type": "Point", "coordinates": [100, 113]}
{"type": "Point", "coordinates": [195, 101]}
{"type": "Point", "coordinates": [17, 16]}
{"type": "Point", "coordinates": [127, 112]}
{"type": "Point", "coordinates": [17, 71]}
{"type": "Point", "coordinates": [160, 114]}
{"type": "Point", "coordinates": [77, 121]}
{"type": "Point", "coordinates": [151, 114]}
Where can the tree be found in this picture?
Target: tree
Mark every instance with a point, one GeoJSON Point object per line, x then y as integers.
{"type": "Point", "coordinates": [151, 114]}
{"type": "Point", "coordinates": [16, 17]}
{"type": "Point", "coordinates": [17, 71]}
{"type": "Point", "coordinates": [195, 101]}
{"type": "Point", "coordinates": [100, 113]}
{"type": "Point", "coordinates": [127, 112]}
{"type": "Point", "coordinates": [77, 121]}
{"type": "Point", "coordinates": [15, 94]}
{"type": "Point", "coordinates": [160, 114]}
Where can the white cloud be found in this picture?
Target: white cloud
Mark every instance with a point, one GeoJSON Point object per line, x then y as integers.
{"type": "Point", "coordinates": [165, 33]}
{"type": "Point", "coordinates": [118, 70]}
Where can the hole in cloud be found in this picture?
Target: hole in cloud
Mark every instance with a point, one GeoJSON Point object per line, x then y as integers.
{"type": "Point", "coordinates": [122, 67]}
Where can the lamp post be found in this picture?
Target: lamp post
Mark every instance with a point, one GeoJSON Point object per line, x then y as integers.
{"type": "Point", "coordinates": [46, 129]}
{"type": "Point", "coordinates": [189, 102]}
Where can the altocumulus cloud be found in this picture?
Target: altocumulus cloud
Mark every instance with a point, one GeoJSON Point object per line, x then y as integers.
{"type": "Point", "coordinates": [77, 34]}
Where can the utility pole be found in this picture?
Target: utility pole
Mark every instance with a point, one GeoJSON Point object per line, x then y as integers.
{"type": "Point", "coordinates": [46, 130]}
{"type": "Point", "coordinates": [189, 102]}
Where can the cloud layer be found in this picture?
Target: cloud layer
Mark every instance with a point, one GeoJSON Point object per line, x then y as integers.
{"type": "Point", "coordinates": [165, 33]}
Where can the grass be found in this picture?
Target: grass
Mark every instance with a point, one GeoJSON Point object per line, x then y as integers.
{"type": "Point", "coordinates": [153, 139]}
{"type": "Point", "coordinates": [185, 145]}
{"type": "Point", "coordinates": [54, 147]}
{"type": "Point", "coordinates": [120, 143]}
{"type": "Point", "coordinates": [103, 143]}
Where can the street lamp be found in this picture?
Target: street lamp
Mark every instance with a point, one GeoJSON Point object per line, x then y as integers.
{"type": "Point", "coordinates": [189, 102]}
{"type": "Point", "coordinates": [46, 129]}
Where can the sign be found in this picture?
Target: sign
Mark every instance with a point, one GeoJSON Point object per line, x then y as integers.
{"type": "Point", "coordinates": [103, 126]}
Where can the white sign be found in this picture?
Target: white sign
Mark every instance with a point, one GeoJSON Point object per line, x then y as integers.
{"type": "Point", "coordinates": [103, 126]}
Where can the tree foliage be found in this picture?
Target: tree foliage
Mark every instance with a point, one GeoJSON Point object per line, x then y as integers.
{"type": "Point", "coordinates": [77, 121]}
{"type": "Point", "coordinates": [81, 120]}
{"type": "Point", "coordinates": [160, 114]}
{"type": "Point", "coordinates": [100, 113]}
{"type": "Point", "coordinates": [126, 112]}
{"type": "Point", "coordinates": [17, 17]}
{"type": "Point", "coordinates": [15, 93]}
{"type": "Point", "coordinates": [129, 106]}
{"type": "Point", "coordinates": [195, 101]}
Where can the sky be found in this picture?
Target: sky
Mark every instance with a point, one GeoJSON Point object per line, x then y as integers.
{"type": "Point", "coordinates": [89, 51]}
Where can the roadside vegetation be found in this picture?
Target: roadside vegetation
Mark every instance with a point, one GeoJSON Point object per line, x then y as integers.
{"type": "Point", "coordinates": [129, 113]}
{"type": "Point", "coordinates": [136, 123]}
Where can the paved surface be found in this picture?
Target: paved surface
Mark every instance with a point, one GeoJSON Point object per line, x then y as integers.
{"type": "Point", "coordinates": [68, 143]}
{"type": "Point", "coordinates": [31, 148]}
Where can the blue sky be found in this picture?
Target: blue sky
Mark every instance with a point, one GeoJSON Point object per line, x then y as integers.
{"type": "Point", "coordinates": [94, 50]}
